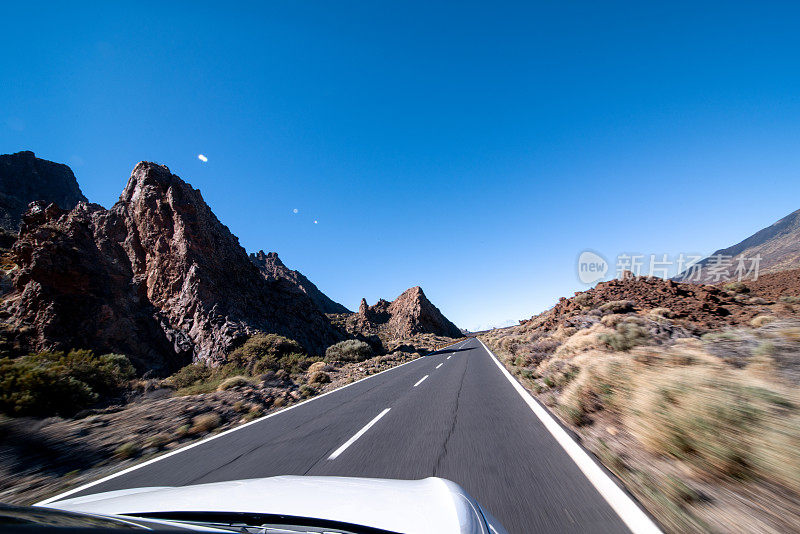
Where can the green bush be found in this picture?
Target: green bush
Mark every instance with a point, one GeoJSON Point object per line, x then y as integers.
{"type": "Point", "coordinates": [269, 352]}
{"type": "Point", "coordinates": [58, 383]}
{"type": "Point", "coordinates": [190, 375]}
{"type": "Point", "coordinates": [350, 350]}
{"type": "Point", "coordinates": [260, 354]}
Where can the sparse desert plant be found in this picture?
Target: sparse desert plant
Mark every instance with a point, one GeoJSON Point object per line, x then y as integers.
{"type": "Point", "coordinates": [790, 299]}
{"type": "Point", "coordinates": [127, 450]}
{"type": "Point", "coordinates": [306, 391]}
{"type": "Point", "coordinates": [602, 379]}
{"type": "Point", "coordinates": [613, 319]}
{"type": "Point", "coordinates": [718, 420]}
{"type": "Point", "coordinates": [159, 441]}
{"type": "Point", "coordinates": [757, 301]}
{"type": "Point", "coordinates": [584, 300]}
{"type": "Point", "coordinates": [626, 336]}
{"type": "Point", "coordinates": [349, 350]}
{"type": "Point", "coordinates": [618, 306]}
{"type": "Point", "coordinates": [254, 413]}
{"type": "Point", "coordinates": [233, 382]}
{"type": "Point", "coordinates": [761, 320]}
{"type": "Point", "coordinates": [661, 312]}
{"type": "Point", "coordinates": [582, 340]}
{"type": "Point", "coordinates": [736, 287]}
{"type": "Point", "coordinates": [711, 337]}
{"type": "Point", "coordinates": [318, 377]}
{"type": "Point", "coordinates": [205, 423]}
{"type": "Point", "coordinates": [317, 366]}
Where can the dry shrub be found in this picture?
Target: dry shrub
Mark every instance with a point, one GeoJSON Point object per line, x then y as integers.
{"type": "Point", "coordinates": [127, 450]}
{"type": "Point", "coordinates": [719, 420]}
{"type": "Point", "coordinates": [563, 332]}
{"type": "Point", "coordinates": [233, 382]}
{"type": "Point", "coordinates": [761, 320]}
{"type": "Point", "coordinates": [618, 306]}
{"type": "Point", "coordinates": [584, 300]}
{"type": "Point", "coordinates": [681, 402]}
{"type": "Point", "coordinates": [158, 441]}
{"type": "Point", "coordinates": [602, 379]}
{"type": "Point", "coordinates": [736, 287]}
{"type": "Point", "coordinates": [318, 377]}
{"type": "Point", "coordinates": [205, 423]}
{"type": "Point", "coordinates": [317, 366]}
{"type": "Point", "coordinates": [613, 319]}
{"type": "Point", "coordinates": [582, 340]}
{"type": "Point", "coordinates": [661, 312]}
{"type": "Point", "coordinates": [626, 336]}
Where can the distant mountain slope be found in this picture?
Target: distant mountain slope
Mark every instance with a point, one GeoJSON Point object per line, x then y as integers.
{"type": "Point", "coordinates": [157, 277]}
{"type": "Point", "coordinates": [273, 268]}
{"type": "Point", "coordinates": [778, 245]}
{"type": "Point", "coordinates": [25, 178]}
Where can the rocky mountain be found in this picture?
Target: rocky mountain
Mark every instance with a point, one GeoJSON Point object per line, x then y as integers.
{"type": "Point", "coordinates": [25, 178]}
{"type": "Point", "coordinates": [272, 268]}
{"type": "Point", "coordinates": [778, 245]}
{"type": "Point", "coordinates": [156, 277]}
{"type": "Point", "coordinates": [408, 315]}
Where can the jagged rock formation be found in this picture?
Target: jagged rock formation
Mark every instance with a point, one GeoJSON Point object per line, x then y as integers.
{"type": "Point", "coordinates": [156, 277]}
{"type": "Point", "coordinates": [778, 245]}
{"type": "Point", "coordinates": [25, 178]}
{"type": "Point", "coordinates": [273, 268]}
{"type": "Point", "coordinates": [408, 315]}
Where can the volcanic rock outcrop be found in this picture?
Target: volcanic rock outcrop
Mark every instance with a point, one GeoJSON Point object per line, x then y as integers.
{"type": "Point", "coordinates": [25, 178]}
{"type": "Point", "coordinates": [156, 277]}
{"type": "Point", "coordinates": [272, 268]}
{"type": "Point", "coordinates": [408, 315]}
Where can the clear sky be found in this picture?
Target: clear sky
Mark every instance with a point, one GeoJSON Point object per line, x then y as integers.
{"type": "Point", "coordinates": [474, 149]}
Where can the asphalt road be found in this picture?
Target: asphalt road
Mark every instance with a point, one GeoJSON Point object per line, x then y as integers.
{"type": "Point", "coordinates": [464, 422]}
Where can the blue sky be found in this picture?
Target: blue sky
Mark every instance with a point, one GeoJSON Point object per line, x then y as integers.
{"type": "Point", "coordinates": [474, 149]}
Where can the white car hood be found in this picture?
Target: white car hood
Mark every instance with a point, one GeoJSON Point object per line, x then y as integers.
{"type": "Point", "coordinates": [430, 505]}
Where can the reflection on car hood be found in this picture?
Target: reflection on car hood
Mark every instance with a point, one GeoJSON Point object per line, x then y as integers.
{"type": "Point", "coordinates": [408, 506]}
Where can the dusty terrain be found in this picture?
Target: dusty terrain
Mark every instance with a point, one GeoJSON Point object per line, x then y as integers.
{"type": "Point", "coordinates": [687, 393]}
{"type": "Point", "coordinates": [41, 457]}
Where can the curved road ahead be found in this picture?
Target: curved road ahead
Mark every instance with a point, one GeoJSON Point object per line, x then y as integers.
{"type": "Point", "coordinates": [452, 414]}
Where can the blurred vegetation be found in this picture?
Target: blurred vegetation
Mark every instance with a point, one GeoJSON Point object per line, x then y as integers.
{"type": "Point", "coordinates": [723, 407]}
{"type": "Point", "coordinates": [59, 383]}
{"type": "Point", "coordinates": [260, 355]}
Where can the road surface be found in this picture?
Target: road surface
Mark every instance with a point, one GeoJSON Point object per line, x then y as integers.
{"type": "Point", "coordinates": [452, 414]}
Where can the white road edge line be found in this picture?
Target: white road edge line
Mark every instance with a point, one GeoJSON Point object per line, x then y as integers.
{"type": "Point", "coordinates": [206, 440]}
{"type": "Point", "coordinates": [421, 380]}
{"type": "Point", "coordinates": [441, 364]}
{"type": "Point", "coordinates": [620, 502]}
{"type": "Point", "coordinates": [358, 434]}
